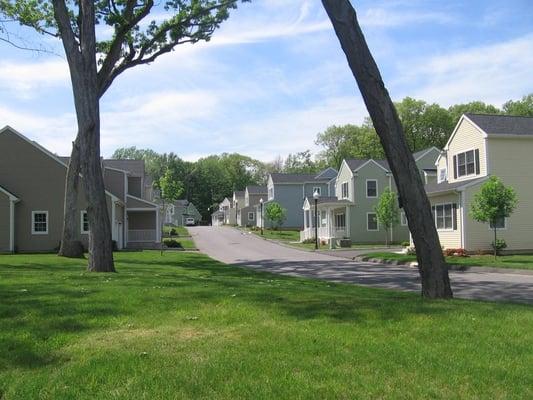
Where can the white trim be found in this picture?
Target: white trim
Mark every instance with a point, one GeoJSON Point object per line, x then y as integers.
{"type": "Point", "coordinates": [366, 189]}
{"type": "Point", "coordinates": [467, 176]}
{"type": "Point", "coordinates": [347, 190]}
{"type": "Point", "coordinates": [12, 226]}
{"type": "Point", "coordinates": [33, 232]}
{"type": "Point", "coordinates": [427, 152]}
{"type": "Point", "coordinates": [377, 223]}
{"type": "Point", "coordinates": [505, 225]}
{"type": "Point", "coordinates": [369, 161]}
{"type": "Point", "coordinates": [463, 117]}
{"type": "Point", "coordinates": [444, 216]}
{"type": "Point", "coordinates": [82, 231]}
{"type": "Point", "coordinates": [10, 195]}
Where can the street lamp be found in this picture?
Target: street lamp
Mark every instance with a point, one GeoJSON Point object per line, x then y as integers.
{"type": "Point", "coordinates": [316, 196]}
{"type": "Point", "coordinates": [261, 202]}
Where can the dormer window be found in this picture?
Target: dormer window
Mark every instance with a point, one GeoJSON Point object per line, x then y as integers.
{"type": "Point", "coordinates": [270, 193]}
{"type": "Point", "coordinates": [442, 175]}
{"type": "Point", "coordinates": [344, 190]}
{"type": "Point", "coordinates": [466, 163]}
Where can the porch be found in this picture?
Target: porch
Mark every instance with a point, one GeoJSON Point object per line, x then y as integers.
{"type": "Point", "coordinates": [333, 219]}
{"type": "Point", "coordinates": [142, 227]}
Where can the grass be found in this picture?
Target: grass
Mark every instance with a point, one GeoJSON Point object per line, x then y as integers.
{"type": "Point", "coordinates": [512, 261]}
{"type": "Point", "coordinates": [180, 230]}
{"type": "Point", "coordinates": [186, 243]}
{"type": "Point", "coordinates": [280, 234]}
{"type": "Point", "coordinates": [185, 326]}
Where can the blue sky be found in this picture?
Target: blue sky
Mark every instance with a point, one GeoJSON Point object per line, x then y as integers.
{"type": "Point", "coordinates": [274, 76]}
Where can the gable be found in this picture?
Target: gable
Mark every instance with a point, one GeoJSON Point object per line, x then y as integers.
{"type": "Point", "coordinates": [464, 127]}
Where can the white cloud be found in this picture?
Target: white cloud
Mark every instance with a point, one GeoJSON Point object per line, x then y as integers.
{"type": "Point", "coordinates": [493, 73]}
{"type": "Point", "coordinates": [389, 17]}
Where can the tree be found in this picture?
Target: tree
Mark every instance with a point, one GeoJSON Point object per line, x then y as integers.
{"type": "Point", "coordinates": [275, 214]}
{"type": "Point", "coordinates": [493, 203]}
{"type": "Point", "coordinates": [300, 163]}
{"type": "Point", "coordinates": [170, 190]}
{"type": "Point", "coordinates": [477, 107]}
{"type": "Point", "coordinates": [387, 212]}
{"type": "Point", "coordinates": [431, 264]}
{"type": "Point", "coordinates": [523, 107]}
{"type": "Point", "coordinates": [94, 65]}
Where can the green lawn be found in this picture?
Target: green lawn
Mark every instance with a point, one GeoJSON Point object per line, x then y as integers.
{"type": "Point", "coordinates": [184, 326]}
{"type": "Point", "coordinates": [186, 243]}
{"type": "Point", "coordinates": [515, 261]}
{"type": "Point", "coordinates": [180, 230]}
{"type": "Point", "coordinates": [284, 235]}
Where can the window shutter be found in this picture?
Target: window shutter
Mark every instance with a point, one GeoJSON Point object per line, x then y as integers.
{"type": "Point", "coordinates": [454, 216]}
{"type": "Point", "coordinates": [455, 167]}
{"type": "Point", "coordinates": [477, 162]}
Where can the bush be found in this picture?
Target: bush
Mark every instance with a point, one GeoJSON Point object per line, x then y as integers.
{"type": "Point", "coordinates": [405, 244]}
{"type": "Point", "coordinates": [455, 253]}
{"type": "Point", "coordinates": [172, 243]}
{"type": "Point", "coordinates": [173, 232]}
{"type": "Point", "coordinates": [499, 244]}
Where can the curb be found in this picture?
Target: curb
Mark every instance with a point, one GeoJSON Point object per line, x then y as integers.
{"type": "Point", "coordinates": [463, 268]}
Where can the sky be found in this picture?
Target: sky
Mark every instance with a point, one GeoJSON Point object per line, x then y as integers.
{"type": "Point", "coordinates": [274, 76]}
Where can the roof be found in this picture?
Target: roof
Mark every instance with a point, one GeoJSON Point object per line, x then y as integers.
{"type": "Point", "coordinates": [10, 195]}
{"type": "Point", "coordinates": [329, 173]}
{"type": "Point", "coordinates": [292, 178]}
{"type": "Point", "coordinates": [497, 124]}
{"type": "Point", "coordinates": [183, 203]}
{"type": "Point", "coordinates": [256, 189]}
{"type": "Point", "coordinates": [238, 193]}
{"type": "Point", "coordinates": [355, 164]}
{"type": "Point", "coordinates": [421, 153]}
{"type": "Point", "coordinates": [327, 200]}
{"type": "Point", "coordinates": [134, 166]}
{"type": "Point", "coordinates": [434, 188]}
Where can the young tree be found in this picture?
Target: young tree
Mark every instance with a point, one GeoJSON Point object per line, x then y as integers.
{"type": "Point", "coordinates": [170, 190]}
{"type": "Point", "coordinates": [94, 65]}
{"type": "Point", "coordinates": [387, 212]}
{"type": "Point", "coordinates": [493, 203]}
{"type": "Point", "coordinates": [275, 214]}
{"type": "Point", "coordinates": [431, 264]}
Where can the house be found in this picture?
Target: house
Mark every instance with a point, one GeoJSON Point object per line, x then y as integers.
{"type": "Point", "coordinates": [32, 187]}
{"type": "Point", "coordinates": [348, 211]}
{"type": "Point", "coordinates": [290, 190]}
{"type": "Point", "coordinates": [238, 204]}
{"type": "Point", "coordinates": [229, 215]}
{"type": "Point", "coordinates": [480, 146]}
{"type": "Point", "coordinates": [217, 218]}
{"type": "Point", "coordinates": [178, 212]}
{"type": "Point", "coordinates": [248, 215]}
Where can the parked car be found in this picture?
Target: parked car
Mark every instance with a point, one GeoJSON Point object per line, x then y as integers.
{"type": "Point", "coordinates": [190, 222]}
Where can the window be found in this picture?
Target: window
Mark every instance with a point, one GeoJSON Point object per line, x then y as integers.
{"type": "Point", "coordinates": [84, 222]}
{"type": "Point", "coordinates": [371, 188]}
{"type": "Point", "coordinates": [466, 163]}
{"type": "Point", "coordinates": [344, 190]}
{"type": "Point", "coordinates": [445, 216]}
{"type": "Point", "coordinates": [39, 222]}
{"type": "Point", "coordinates": [270, 193]}
{"type": "Point", "coordinates": [403, 219]}
{"type": "Point", "coordinates": [371, 222]}
{"type": "Point", "coordinates": [442, 175]}
{"type": "Point", "coordinates": [340, 221]}
{"type": "Point", "coordinates": [251, 216]}
{"type": "Point", "coordinates": [317, 189]}
{"type": "Point", "coordinates": [499, 223]}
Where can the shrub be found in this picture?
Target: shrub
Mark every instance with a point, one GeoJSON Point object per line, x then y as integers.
{"type": "Point", "coordinates": [455, 253]}
{"type": "Point", "coordinates": [173, 232]}
{"type": "Point", "coordinates": [405, 244]}
{"type": "Point", "coordinates": [172, 243]}
{"type": "Point", "coordinates": [498, 245]}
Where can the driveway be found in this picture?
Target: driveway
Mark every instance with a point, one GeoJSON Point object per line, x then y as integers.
{"type": "Point", "coordinates": [232, 246]}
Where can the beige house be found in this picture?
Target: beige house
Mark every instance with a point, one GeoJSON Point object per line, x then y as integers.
{"type": "Point", "coordinates": [32, 185]}
{"type": "Point", "coordinates": [480, 146]}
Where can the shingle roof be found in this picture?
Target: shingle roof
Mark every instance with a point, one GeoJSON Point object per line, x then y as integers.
{"type": "Point", "coordinates": [442, 187]}
{"type": "Point", "coordinates": [292, 178]}
{"type": "Point", "coordinates": [136, 167]}
{"type": "Point", "coordinates": [238, 193]}
{"type": "Point", "coordinates": [256, 189]}
{"type": "Point", "coordinates": [494, 124]}
{"type": "Point", "coordinates": [327, 174]}
{"type": "Point", "coordinates": [420, 153]}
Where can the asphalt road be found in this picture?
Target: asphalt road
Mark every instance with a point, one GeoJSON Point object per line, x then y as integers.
{"type": "Point", "coordinates": [232, 246]}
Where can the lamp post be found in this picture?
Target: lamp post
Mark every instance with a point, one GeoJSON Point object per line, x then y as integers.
{"type": "Point", "coordinates": [261, 202]}
{"type": "Point", "coordinates": [316, 196]}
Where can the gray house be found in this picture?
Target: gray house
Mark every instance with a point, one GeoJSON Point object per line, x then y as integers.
{"type": "Point", "coordinates": [178, 212]}
{"type": "Point", "coordinates": [32, 186]}
{"type": "Point", "coordinates": [290, 190]}
{"type": "Point", "coordinates": [247, 215]}
{"type": "Point", "coordinates": [349, 211]}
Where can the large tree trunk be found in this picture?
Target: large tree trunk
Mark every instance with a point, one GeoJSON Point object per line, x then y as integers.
{"type": "Point", "coordinates": [83, 74]}
{"type": "Point", "coordinates": [431, 264]}
{"type": "Point", "coordinates": [70, 240]}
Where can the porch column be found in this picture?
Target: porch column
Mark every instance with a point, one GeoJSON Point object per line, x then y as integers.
{"type": "Point", "coordinates": [347, 222]}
